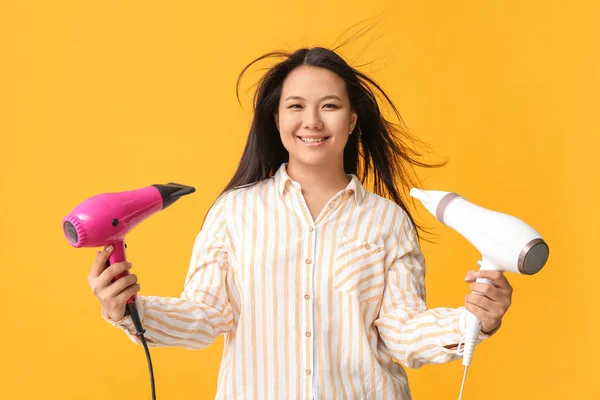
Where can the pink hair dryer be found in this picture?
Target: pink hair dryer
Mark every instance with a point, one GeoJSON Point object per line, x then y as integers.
{"type": "Point", "coordinates": [106, 218]}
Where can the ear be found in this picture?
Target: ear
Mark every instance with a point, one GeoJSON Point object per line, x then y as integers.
{"type": "Point", "coordinates": [353, 121]}
{"type": "Point", "coordinates": [276, 118]}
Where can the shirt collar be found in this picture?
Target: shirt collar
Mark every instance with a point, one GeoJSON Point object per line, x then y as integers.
{"type": "Point", "coordinates": [282, 179]}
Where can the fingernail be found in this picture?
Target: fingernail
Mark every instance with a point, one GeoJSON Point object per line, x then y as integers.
{"type": "Point", "coordinates": [109, 248]}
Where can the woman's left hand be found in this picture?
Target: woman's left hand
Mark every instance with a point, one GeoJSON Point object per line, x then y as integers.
{"type": "Point", "coordinates": [494, 300]}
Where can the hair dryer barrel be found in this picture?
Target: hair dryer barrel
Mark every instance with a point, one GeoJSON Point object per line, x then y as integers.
{"type": "Point", "coordinates": [506, 241]}
{"type": "Point", "coordinates": [106, 218]}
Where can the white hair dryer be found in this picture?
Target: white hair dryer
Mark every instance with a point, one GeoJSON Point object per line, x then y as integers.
{"type": "Point", "coordinates": [506, 243]}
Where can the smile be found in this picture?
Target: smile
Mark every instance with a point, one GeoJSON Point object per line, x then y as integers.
{"type": "Point", "coordinates": [313, 140]}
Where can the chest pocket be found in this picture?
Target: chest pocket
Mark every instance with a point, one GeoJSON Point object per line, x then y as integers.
{"type": "Point", "coordinates": [359, 268]}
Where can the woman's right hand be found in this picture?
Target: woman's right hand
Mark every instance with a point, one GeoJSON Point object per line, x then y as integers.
{"type": "Point", "coordinates": [112, 295]}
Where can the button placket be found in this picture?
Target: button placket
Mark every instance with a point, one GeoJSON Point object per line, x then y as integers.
{"type": "Point", "coordinates": [310, 262]}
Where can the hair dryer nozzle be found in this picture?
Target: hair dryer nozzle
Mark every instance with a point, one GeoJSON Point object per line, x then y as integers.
{"type": "Point", "coordinates": [435, 201]}
{"type": "Point", "coordinates": [172, 191]}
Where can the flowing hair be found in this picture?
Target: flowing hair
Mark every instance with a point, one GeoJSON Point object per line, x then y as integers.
{"type": "Point", "coordinates": [377, 146]}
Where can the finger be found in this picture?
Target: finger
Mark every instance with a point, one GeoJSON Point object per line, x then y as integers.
{"type": "Point", "coordinates": [492, 275]}
{"type": "Point", "coordinates": [489, 291]}
{"type": "Point", "coordinates": [484, 314]}
{"type": "Point", "coordinates": [99, 264]}
{"type": "Point", "coordinates": [109, 273]}
{"type": "Point", "coordinates": [488, 323]}
{"type": "Point", "coordinates": [500, 298]}
{"type": "Point", "coordinates": [502, 282]}
{"type": "Point", "coordinates": [478, 311]}
{"type": "Point", "coordinates": [493, 310]}
{"type": "Point", "coordinates": [127, 293]}
{"type": "Point", "coordinates": [479, 301]}
{"type": "Point", "coordinates": [470, 276]}
{"type": "Point", "coordinates": [120, 284]}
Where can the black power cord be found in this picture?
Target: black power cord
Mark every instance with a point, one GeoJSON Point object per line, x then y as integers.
{"type": "Point", "coordinates": [132, 311]}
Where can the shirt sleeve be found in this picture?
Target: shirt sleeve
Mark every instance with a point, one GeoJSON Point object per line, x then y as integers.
{"type": "Point", "coordinates": [203, 312]}
{"type": "Point", "coordinates": [414, 334]}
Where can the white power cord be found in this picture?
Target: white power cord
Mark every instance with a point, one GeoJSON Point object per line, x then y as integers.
{"type": "Point", "coordinates": [463, 383]}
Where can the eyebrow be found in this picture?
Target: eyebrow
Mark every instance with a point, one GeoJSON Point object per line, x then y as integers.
{"type": "Point", "coordinates": [331, 96]}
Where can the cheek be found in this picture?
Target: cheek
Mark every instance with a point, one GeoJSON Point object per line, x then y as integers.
{"type": "Point", "coordinates": [286, 134]}
{"type": "Point", "coordinates": [341, 140]}
{"type": "Point", "coordinates": [338, 122]}
{"type": "Point", "coordinates": [289, 122]}
{"type": "Point", "coordinates": [287, 130]}
{"type": "Point", "coordinates": [286, 139]}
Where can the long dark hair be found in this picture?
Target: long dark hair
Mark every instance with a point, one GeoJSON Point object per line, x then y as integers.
{"type": "Point", "coordinates": [377, 146]}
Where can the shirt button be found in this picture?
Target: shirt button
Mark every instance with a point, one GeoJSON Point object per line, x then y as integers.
{"type": "Point", "coordinates": [308, 261]}
{"type": "Point", "coordinates": [311, 229]}
{"type": "Point", "coordinates": [330, 205]}
{"type": "Point", "coordinates": [308, 372]}
{"type": "Point", "coordinates": [308, 334]}
{"type": "Point", "coordinates": [368, 247]}
{"type": "Point", "coordinates": [306, 297]}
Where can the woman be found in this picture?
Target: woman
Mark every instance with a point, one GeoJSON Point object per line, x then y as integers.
{"type": "Point", "coordinates": [316, 282]}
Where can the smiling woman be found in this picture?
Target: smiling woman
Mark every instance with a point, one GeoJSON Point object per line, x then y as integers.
{"type": "Point", "coordinates": [317, 284]}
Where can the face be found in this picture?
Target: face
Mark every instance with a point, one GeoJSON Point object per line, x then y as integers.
{"type": "Point", "coordinates": [314, 117]}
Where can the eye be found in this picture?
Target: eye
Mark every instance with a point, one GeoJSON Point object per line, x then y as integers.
{"type": "Point", "coordinates": [332, 105]}
{"type": "Point", "coordinates": [294, 105]}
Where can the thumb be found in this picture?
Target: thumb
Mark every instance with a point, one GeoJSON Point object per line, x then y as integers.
{"type": "Point", "coordinates": [100, 262]}
{"type": "Point", "coordinates": [471, 276]}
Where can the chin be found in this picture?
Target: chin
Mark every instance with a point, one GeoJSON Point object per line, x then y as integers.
{"type": "Point", "coordinates": [322, 160]}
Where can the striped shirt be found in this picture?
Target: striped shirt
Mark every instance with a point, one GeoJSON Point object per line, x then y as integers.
{"type": "Point", "coordinates": [310, 309]}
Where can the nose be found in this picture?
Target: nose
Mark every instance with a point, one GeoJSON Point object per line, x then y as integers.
{"type": "Point", "coordinates": [313, 120]}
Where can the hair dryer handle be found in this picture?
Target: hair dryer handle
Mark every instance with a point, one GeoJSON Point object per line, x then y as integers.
{"type": "Point", "coordinates": [118, 255]}
{"type": "Point", "coordinates": [473, 324]}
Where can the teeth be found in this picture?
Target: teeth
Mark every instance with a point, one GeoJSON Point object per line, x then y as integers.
{"type": "Point", "coordinates": [312, 140]}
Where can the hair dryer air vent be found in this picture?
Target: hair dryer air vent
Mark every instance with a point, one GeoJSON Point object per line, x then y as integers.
{"type": "Point", "coordinates": [533, 257]}
{"type": "Point", "coordinates": [73, 231]}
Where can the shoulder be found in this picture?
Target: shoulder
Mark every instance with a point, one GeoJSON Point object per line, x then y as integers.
{"type": "Point", "coordinates": [238, 199]}
{"type": "Point", "coordinates": [252, 190]}
{"type": "Point", "coordinates": [382, 204]}
{"type": "Point", "coordinates": [398, 221]}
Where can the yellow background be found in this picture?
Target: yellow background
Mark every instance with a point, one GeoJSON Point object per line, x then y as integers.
{"type": "Point", "coordinates": [99, 96]}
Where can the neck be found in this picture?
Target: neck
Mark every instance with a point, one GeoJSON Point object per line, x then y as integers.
{"type": "Point", "coordinates": [318, 178]}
